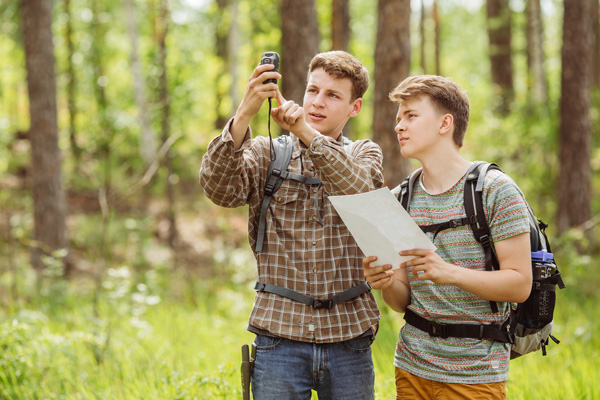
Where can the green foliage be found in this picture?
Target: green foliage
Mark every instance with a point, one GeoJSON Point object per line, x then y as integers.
{"type": "Point", "coordinates": [154, 347]}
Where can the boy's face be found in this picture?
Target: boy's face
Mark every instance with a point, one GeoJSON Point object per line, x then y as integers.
{"type": "Point", "coordinates": [418, 125]}
{"type": "Point", "coordinates": [328, 102]}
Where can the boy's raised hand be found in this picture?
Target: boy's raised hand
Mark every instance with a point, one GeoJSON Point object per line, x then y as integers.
{"type": "Point", "coordinates": [257, 91]}
{"type": "Point", "coordinates": [290, 116]}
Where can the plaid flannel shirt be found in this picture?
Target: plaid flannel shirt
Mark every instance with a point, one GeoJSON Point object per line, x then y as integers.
{"type": "Point", "coordinates": [307, 247]}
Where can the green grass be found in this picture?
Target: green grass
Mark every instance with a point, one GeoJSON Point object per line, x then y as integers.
{"type": "Point", "coordinates": [139, 349]}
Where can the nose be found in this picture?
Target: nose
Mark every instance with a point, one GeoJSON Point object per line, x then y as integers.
{"type": "Point", "coordinates": [319, 99]}
{"type": "Point", "coordinates": [400, 127]}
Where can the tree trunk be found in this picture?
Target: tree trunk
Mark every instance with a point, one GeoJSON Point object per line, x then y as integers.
{"type": "Point", "coordinates": [340, 40]}
{"type": "Point", "coordinates": [49, 205]}
{"type": "Point", "coordinates": [392, 65]}
{"type": "Point", "coordinates": [436, 21]}
{"type": "Point", "coordinates": [574, 185]}
{"type": "Point", "coordinates": [161, 35]}
{"type": "Point", "coordinates": [234, 45]}
{"type": "Point", "coordinates": [300, 38]}
{"type": "Point", "coordinates": [147, 137]}
{"type": "Point", "coordinates": [71, 81]}
{"type": "Point", "coordinates": [340, 25]}
{"type": "Point", "coordinates": [596, 28]}
{"type": "Point", "coordinates": [222, 47]}
{"type": "Point", "coordinates": [538, 90]}
{"type": "Point", "coordinates": [499, 33]}
{"type": "Point", "coordinates": [422, 37]}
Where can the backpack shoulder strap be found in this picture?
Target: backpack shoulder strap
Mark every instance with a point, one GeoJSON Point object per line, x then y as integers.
{"type": "Point", "coordinates": [282, 154]}
{"type": "Point", "coordinates": [474, 209]}
{"type": "Point", "coordinates": [348, 145]}
{"type": "Point", "coordinates": [406, 189]}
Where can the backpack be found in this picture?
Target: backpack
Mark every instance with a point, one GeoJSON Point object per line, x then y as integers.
{"type": "Point", "coordinates": [529, 325]}
{"type": "Point", "coordinates": [277, 172]}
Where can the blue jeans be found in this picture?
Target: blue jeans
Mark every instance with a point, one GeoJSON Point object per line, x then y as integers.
{"type": "Point", "coordinates": [286, 369]}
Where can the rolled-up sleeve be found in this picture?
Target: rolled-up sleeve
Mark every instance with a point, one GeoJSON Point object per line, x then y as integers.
{"type": "Point", "coordinates": [342, 173]}
{"type": "Point", "coordinates": [226, 174]}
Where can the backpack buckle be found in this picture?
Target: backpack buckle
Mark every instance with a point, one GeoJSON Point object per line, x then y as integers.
{"type": "Point", "coordinates": [438, 330]}
{"type": "Point", "coordinates": [326, 303]}
{"type": "Point", "coordinates": [485, 240]}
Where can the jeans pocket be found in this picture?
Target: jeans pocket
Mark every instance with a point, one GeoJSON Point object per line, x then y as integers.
{"type": "Point", "coordinates": [267, 342]}
{"type": "Point", "coordinates": [358, 345]}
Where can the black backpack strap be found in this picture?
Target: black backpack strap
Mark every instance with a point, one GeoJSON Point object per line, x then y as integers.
{"type": "Point", "coordinates": [406, 189]}
{"type": "Point", "coordinates": [311, 301]}
{"type": "Point", "coordinates": [283, 148]}
{"type": "Point", "coordinates": [405, 195]}
{"type": "Point", "coordinates": [474, 209]}
{"type": "Point", "coordinates": [498, 332]}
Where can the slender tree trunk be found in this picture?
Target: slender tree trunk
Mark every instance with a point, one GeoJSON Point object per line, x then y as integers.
{"type": "Point", "coordinates": [436, 20]}
{"type": "Point", "coordinates": [392, 65]}
{"type": "Point", "coordinates": [71, 81]}
{"type": "Point", "coordinates": [49, 205]}
{"type": "Point", "coordinates": [222, 46]}
{"type": "Point", "coordinates": [147, 136]}
{"type": "Point", "coordinates": [574, 184]}
{"type": "Point", "coordinates": [422, 37]}
{"type": "Point", "coordinates": [161, 34]}
{"type": "Point", "coordinates": [340, 25]}
{"type": "Point", "coordinates": [596, 28]}
{"type": "Point", "coordinates": [100, 81]}
{"type": "Point", "coordinates": [535, 53]}
{"type": "Point", "coordinates": [300, 38]}
{"type": "Point", "coordinates": [499, 33]}
{"type": "Point", "coordinates": [234, 45]}
{"type": "Point", "coordinates": [340, 40]}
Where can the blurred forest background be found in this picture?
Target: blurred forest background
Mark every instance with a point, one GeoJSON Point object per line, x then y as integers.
{"type": "Point", "coordinates": [118, 279]}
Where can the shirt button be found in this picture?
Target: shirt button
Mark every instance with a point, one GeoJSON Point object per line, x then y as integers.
{"type": "Point", "coordinates": [314, 243]}
{"type": "Point", "coordinates": [332, 158]}
{"type": "Point", "coordinates": [280, 199]}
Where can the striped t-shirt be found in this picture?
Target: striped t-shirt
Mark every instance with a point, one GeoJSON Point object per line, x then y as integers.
{"type": "Point", "coordinates": [460, 360]}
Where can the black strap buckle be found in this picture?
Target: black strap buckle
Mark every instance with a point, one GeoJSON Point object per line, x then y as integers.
{"type": "Point", "coordinates": [485, 240]}
{"type": "Point", "coordinates": [325, 303]}
{"type": "Point", "coordinates": [438, 330]}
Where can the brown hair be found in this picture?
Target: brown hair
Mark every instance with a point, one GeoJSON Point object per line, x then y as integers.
{"type": "Point", "coordinates": [343, 65]}
{"type": "Point", "coordinates": [446, 95]}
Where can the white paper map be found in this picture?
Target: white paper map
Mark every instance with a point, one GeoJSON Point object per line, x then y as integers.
{"type": "Point", "coordinates": [380, 226]}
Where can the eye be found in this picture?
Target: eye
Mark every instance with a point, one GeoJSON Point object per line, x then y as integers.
{"type": "Point", "coordinates": [335, 96]}
{"type": "Point", "coordinates": [311, 90]}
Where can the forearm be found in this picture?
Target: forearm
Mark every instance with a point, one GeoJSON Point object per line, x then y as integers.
{"type": "Point", "coordinates": [239, 128]}
{"type": "Point", "coordinates": [504, 285]}
{"type": "Point", "coordinates": [224, 175]}
{"type": "Point", "coordinates": [397, 296]}
{"type": "Point", "coordinates": [343, 173]}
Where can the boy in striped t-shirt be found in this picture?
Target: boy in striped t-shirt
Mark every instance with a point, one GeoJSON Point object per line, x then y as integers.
{"type": "Point", "coordinates": [451, 286]}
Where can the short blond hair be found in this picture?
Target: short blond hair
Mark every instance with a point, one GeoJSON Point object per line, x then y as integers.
{"type": "Point", "coordinates": [446, 95]}
{"type": "Point", "coordinates": [343, 65]}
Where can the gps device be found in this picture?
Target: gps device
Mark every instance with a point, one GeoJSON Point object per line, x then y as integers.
{"type": "Point", "coordinates": [270, 57]}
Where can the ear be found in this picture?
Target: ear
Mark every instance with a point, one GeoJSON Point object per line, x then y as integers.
{"type": "Point", "coordinates": [447, 125]}
{"type": "Point", "coordinates": [356, 107]}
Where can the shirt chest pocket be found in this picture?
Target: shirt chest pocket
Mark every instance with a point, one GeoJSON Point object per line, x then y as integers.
{"type": "Point", "coordinates": [285, 202]}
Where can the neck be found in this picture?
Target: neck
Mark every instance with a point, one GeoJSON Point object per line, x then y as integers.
{"type": "Point", "coordinates": [439, 176]}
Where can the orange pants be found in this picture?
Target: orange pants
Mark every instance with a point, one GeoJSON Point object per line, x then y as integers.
{"type": "Point", "coordinates": [412, 387]}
